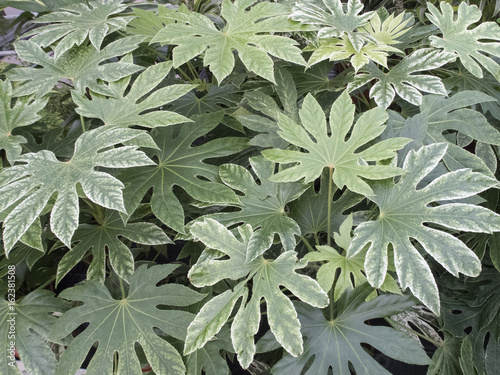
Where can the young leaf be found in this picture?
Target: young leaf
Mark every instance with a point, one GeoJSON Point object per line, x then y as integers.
{"type": "Point", "coordinates": [332, 151]}
{"type": "Point", "coordinates": [117, 325]}
{"type": "Point", "coordinates": [401, 80]}
{"type": "Point", "coordinates": [128, 110]}
{"type": "Point", "coordinates": [72, 24]}
{"type": "Point", "coordinates": [336, 344]}
{"type": "Point", "coordinates": [29, 186]}
{"type": "Point", "coordinates": [341, 49]}
{"type": "Point", "coordinates": [24, 112]}
{"type": "Point", "coordinates": [195, 33]}
{"type": "Point", "coordinates": [27, 324]}
{"type": "Point", "coordinates": [262, 206]}
{"type": "Point", "coordinates": [268, 276]}
{"type": "Point", "coordinates": [337, 22]}
{"type": "Point", "coordinates": [98, 238]}
{"type": "Point", "coordinates": [403, 210]}
{"type": "Point", "coordinates": [81, 65]}
{"type": "Point", "coordinates": [464, 42]}
{"type": "Point", "coordinates": [180, 164]}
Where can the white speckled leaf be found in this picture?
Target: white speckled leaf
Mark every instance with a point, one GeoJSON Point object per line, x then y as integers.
{"type": "Point", "coordinates": [29, 186]}
{"type": "Point", "coordinates": [268, 277]}
{"type": "Point", "coordinates": [403, 210]}
{"type": "Point", "coordinates": [332, 151]}
{"type": "Point", "coordinates": [472, 46]}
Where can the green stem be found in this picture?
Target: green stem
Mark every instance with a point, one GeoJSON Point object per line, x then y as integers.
{"type": "Point", "coordinates": [316, 238]}
{"type": "Point", "coordinates": [330, 197]}
{"type": "Point", "coordinates": [122, 288]}
{"type": "Point", "coordinates": [308, 245]}
{"type": "Point", "coordinates": [46, 283]}
{"type": "Point", "coordinates": [397, 325]}
{"type": "Point", "coordinates": [82, 122]}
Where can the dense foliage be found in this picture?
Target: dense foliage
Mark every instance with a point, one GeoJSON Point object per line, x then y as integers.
{"type": "Point", "coordinates": [290, 187]}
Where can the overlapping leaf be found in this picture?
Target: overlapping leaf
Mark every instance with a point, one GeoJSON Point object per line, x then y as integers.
{"type": "Point", "coordinates": [336, 344]}
{"type": "Point", "coordinates": [335, 20]}
{"type": "Point", "coordinates": [215, 99]}
{"type": "Point", "coordinates": [31, 321]}
{"type": "Point", "coordinates": [352, 272]}
{"type": "Point", "coordinates": [262, 206]}
{"type": "Point", "coordinates": [268, 276]}
{"type": "Point", "coordinates": [81, 65]}
{"type": "Point", "coordinates": [439, 116]}
{"type": "Point", "coordinates": [117, 325]}
{"type": "Point", "coordinates": [310, 210]}
{"type": "Point", "coordinates": [136, 107]}
{"type": "Point", "coordinates": [403, 210]}
{"type": "Point", "coordinates": [401, 80]}
{"type": "Point", "coordinates": [105, 235]}
{"type": "Point", "coordinates": [336, 49]}
{"type": "Point", "coordinates": [468, 44]}
{"type": "Point", "coordinates": [195, 33]}
{"type": "Point", "coordinates": [180, 164]}
{"type": "Point", "coordinates": [24, 112]}
{"type": "Point", "coordinates": [72, 24]}
{"type": "Point", "coordinates": [327, 147]}
{"type": "Point", "coordinates": [28, 187]}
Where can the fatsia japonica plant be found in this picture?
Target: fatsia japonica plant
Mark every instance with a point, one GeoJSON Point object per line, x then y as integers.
{"type": "Point", "coordinates": [301, 187]}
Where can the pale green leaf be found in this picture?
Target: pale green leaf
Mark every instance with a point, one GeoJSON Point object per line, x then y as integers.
{"type": "Point", "coordinates": [81, 65]}
{"type": "Point", "coordinates": [22, 113]}
{"type": "Point", "coordinates": [268, 276]}
{"type": "Point", "coordinates": [401, 80]}
{"type": "Point", "coordinates": [403, 210]}
{"type": "Point", "coordinates": [98, 238]}
{"type": "Point", "coordinates": [27, 324]}
{"type": "Point", "coordinates": [135, 108]}
{"type": "Point", "coordinates": [72, 25]}
{"type": "Point", "coordinates": [471, 45]}
{"type": "Point", "coordinates": [30, 185]}
{"type": "Point", "coordinates": [181, 164]}
{"type": "Point", "coordinates": [331, 150]}
{"type": "Point", "coordinates": [194, 34]}
{"type": "Point", "coordinates": [336, 19]}
{"type": "Point", "coordinates": [336, 343]}
{"type": "Point", "coordinates": [263, 205]}
{"type": "Point", "coordinates": [117, 325]}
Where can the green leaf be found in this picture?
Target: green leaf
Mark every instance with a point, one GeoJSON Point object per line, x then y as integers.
{"type": "Point", "coordinates": [216, 99]}
{"type": "Point", "coordinates": [336, 344]}
{"type": "Point", "coordinates": [81, 65]}
{"type": "Point", "coordinates": [445, 360]}
{"type": "Point", "coordinates": [403, 210]}
{"type": "Point", "coordinates": [263, 205]}
{"type": "Point", "coordinates": [467, 44]}
{"type": "Point", "coordinates": [310, 210]}
{"type": "Point", "coordinates": [180, 164]}
{"type": "Point", "coordinates": [98, 238]}
{"type": "Point", "coordinates": [24, 112]}
{"type": "Point", "coordinates": [209, 359]}
{"type": "Point", "coordinates": [72, 25]}
{"type": "Point", "coordinates": [117, 325]}
{"type": "Point", "coordinates": [335, 20]}
{"type": "Point", "coordinates": [332, 151]}
{"type": "Point", "coordinates": [26, 325]}
{"type": "Point", "coordinates": [268, 276]}
{"type": "Point", "coordinates": [29, 186]}
{"type": "Point", "coordinates": [135, 108]}
{"type": "Point", "coordinates": [195, 33]}
{"type": "Point", "coordinates": [401, 80]}
{"type": "Point", "coordinates": [445, 114]}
